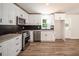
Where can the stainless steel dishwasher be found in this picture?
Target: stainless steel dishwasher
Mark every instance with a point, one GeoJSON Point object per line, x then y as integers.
{"type": "Point", "coordinates": [37, 36]}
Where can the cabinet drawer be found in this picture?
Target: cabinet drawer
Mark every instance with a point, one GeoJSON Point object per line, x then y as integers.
{"type": "Point", "coordinates": [18, 39]}
{"type": "Point", "coordinates": [18, 46]}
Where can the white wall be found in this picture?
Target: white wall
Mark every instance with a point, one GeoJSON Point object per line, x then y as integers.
{"type": "Point", "coordinates": [67, 28]}
{"type": "Point", "coordinates": [73, 31]}
{"type": "Point", "coordinates": [74, 26]}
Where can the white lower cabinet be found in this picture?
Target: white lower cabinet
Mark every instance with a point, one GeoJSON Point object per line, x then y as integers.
{"type": "Point", "coordinates": [12, 47]}
{"type": "Point", "coordinates": [18, 42]}
{"type": "Point", "coordinates": [47, 36]}
{"type": "Point", "coordinates": [5, 48]}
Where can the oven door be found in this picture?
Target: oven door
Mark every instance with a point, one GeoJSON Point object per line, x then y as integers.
{"type": "Point", "coordinates": [25, 40]}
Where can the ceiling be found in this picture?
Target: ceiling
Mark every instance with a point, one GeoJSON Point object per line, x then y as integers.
{"type": "Point", "coordinates": [48, 8]}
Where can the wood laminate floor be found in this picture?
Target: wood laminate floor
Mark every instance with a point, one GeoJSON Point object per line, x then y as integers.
{"type": "Point", "coordinates": [57, 48]}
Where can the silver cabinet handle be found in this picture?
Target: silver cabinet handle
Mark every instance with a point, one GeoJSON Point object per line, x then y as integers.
{"type": "Point", "coordinates": [17, 50]}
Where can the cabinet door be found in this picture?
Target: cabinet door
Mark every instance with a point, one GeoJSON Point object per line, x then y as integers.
{"type": "Point", "coordinates": [16, 11]}
{"type": "Point", "coordinates": [51, 36]}
{"type": "Point", "coordinates": [14, 46]}
{"type": "Point", "coordinates": [20, 11]}
{"type": "Point", "coordinates": [52, 19]}
{"type": "Point", "coordinates": [47, 36]}
{"type": "Point", "coordinates": [4, 48]}
{"type": "Point", "coordinates": [5, 14]}
{"type": "Point", "coordinates": [11, 14]}
{"type": "Point", "coordinates": [19, 41]}
{"type": "Point", "coordinates": [27, 20]}
{"type": "Point", "coordinates": [11, 48]}
{"type": "Point", "coordinates": [34, 19]}
{"type": "Point", "coordinates": [1, 13]}
{"type": "Point", "coordinates": [43, 36]}
{"type": "Point", "coordinates": [8, 48]}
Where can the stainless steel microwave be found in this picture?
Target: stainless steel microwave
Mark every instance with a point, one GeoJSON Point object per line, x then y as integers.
{"type": "Point", "coordinates": [20, 21]}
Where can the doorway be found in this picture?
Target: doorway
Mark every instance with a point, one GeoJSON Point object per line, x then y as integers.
{"type": "Point", "coordinates": [59, 29]}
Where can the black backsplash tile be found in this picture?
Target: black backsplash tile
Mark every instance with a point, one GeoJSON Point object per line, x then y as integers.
{"type": "Point", "coordinates": [5, 29]}
{"type": "Point", "coordinates": [30, 27]}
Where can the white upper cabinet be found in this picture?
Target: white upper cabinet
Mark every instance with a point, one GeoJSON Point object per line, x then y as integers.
{"type": "Point", "coordinates": [18, 11]}
{"type": "Point", "coordinates": [52, 19]}
{"type": "Point", "coordinates": [26, 17]}
{"type": "Point", "coordinates": [0, 13]}
{"type": "Point", "coordinates": [60, 16]}
{"type": "Point", "coordinates": [8, 13]}
{"type": "Point", "coordinates": [11, 14]}
{"type": "Point", "coordinates": [47, 21]}
{"type": "Point", "coordinates": [34, 19]}
{"type": "Point", "coordinates": [5, 14]}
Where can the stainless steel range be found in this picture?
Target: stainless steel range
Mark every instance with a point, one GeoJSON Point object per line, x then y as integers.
{"type": "Point", "coordinates": [25, 39]}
